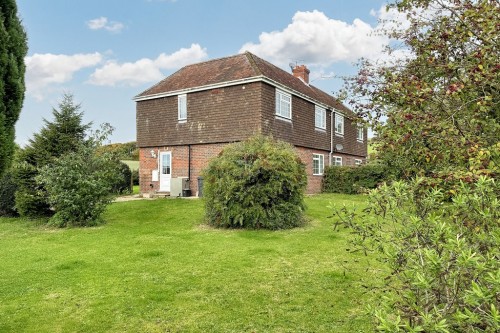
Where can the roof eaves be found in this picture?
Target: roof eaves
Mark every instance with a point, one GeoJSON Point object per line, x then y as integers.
{"type": "Point", "coordinates": [251, 79]}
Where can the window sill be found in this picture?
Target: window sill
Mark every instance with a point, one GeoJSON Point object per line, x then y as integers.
{"type": "Point", "coordinates": [339, 135]}
{"type": "Point", "coordinates": [319, 129]}
{"type": "Point", "coordinates": [318, 174]}
{"type": "Point", "coordinates": [360, 141]}
{"type": "Point", "coordinates": [288, 120]}
{"type": "Point", "coordinates": [182, 121]}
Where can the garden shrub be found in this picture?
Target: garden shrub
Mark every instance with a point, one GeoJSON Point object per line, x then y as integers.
{"type": "Point", "coordinates": [30, 198]}
{"type": "Point", "coordinates": [8, 189]}
{"type": "Point", "coordinates": [135, 177]}
{"type": "Point", "coordinates": [79, 186]}
{"type": "Point", "coordinates": [123, 181]}
{"type": "Point", "coordinates": [257, 183]}
{"type": "Point", "coordinates": [443, 256]}
{"type": "Point", "coordinates": [351, 180]}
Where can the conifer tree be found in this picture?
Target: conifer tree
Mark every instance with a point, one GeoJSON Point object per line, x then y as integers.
{"type": "Point", "coordinates": [62, 135]}
{"type": "Point", "coordinates": [13, 49]}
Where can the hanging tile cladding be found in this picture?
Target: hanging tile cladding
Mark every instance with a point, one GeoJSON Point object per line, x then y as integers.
{"type": "Point", "coordinates": [218, 115]}
{"type": "Point", "coordinates": [349, 141]}
{"type": "Point", "coordinates": [301, 131]}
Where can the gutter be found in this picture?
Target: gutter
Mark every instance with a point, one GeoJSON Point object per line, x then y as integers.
{"type": "Point", "coordinates": [260, 78]}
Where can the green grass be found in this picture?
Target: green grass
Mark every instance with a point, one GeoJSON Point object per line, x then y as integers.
{"type": "Point", "coordinates": [154, 267]}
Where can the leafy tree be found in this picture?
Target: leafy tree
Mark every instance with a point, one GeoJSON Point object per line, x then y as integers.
{"type": "Point", "coordinates": [441, 104]}
{"type": "Point", "coordinates": [13, 49]}
{"type": "Point", "coordinates": [257, 183]}
{"type": "Point", "coordinates": [437, 116]}
{"type": "Point", "coordinates": [62, 135]}
{"type": "Point", "coordinates": [79, 183]}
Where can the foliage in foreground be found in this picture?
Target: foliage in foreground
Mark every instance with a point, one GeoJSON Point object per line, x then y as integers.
{"type": "Point", "coordinates": [444, 256]}
{"type": "Point", "coordinates": [436, 112]}
{"type": "Point", "coordinates": [352, 180]}
{"type": "Point", "coordinates": [257, 183]}
{"type": "Point", "coordinates": [437, 116]}
{"type": "Point", "coordinates": [79, 183]}
{"type": "Point", "coordinates": [13, 49]}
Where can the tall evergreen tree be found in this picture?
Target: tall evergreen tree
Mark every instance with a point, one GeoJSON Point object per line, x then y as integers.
{"type": "Point", "coordinates": [13, 49]}
{"type": "Point", "coordinates": [62, 135]}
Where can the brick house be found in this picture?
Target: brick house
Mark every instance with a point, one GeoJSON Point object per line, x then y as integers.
{"type": "Point", "coordinates": [188, 118]}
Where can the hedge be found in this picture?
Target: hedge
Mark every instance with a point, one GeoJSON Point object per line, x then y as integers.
{"type": "Point", "coordinates": [353, 179]}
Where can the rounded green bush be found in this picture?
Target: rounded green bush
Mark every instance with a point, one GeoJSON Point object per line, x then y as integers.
{"type": "Point", "coordinates": [257, 183]}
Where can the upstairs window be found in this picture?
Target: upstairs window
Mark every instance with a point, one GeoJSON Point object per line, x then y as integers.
{"type": "Point", "coordinates": [318, 164]}
{"type": "Point", "coordinates": [320, 117]}
{"type": "Point", "coordinates": [360, 132]}
{"type": "Point", "coordinates": [283, 104]}
{"type": "Point", "coordinates": [182, 107]}
{"type": "Point", "coordinates": [339, 124]}
{"type": "Point", "coordinates": [337, 160]}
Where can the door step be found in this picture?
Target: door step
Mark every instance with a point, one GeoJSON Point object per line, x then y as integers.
{"type": "Point", "coordinates": [157, 195]}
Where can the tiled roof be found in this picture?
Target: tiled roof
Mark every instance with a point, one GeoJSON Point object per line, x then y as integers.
{"type": "Point", "coordinates": [238, 67]}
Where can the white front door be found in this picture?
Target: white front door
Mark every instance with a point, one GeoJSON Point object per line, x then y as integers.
{"type": "Point", "coordinates": [165, 171]}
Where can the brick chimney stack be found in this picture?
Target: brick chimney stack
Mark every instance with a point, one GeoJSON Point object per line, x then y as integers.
{"type": "Point", "coordinates": [301, 72]}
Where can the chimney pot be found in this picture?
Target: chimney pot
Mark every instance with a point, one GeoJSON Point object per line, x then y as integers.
{"type": "Point", "coordinates": [301, 72]}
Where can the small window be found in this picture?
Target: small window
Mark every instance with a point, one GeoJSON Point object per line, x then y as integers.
{"type": "Point", "coordinates": [182, 107]}
{"type": "Point", "coordinates": [337, 160]}
{"type": "Point", "coordinates": [358, 162]}
{"type": "Point", "coordinates": [320, 117]}
{"type": "Point", "coordinates": [339, 124]}
{"type": "Point", "coordinates": [360, 133]}
{"type": "Point", "coordinates": [283, 104]}
{"type": "Point", "coordinates": [318, 164]}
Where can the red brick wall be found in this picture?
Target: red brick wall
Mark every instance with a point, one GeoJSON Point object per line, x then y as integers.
{"type": "Point", "coordinates": [200, 157]}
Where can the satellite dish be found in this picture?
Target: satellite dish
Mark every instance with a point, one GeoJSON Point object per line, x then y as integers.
{"type": "Point", "coordinates": [292, 65]}
{"type": "Point", "coordinates": [339, 147]}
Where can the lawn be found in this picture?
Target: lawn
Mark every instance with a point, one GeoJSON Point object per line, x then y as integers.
{"type": "Point", "coordinates": [154, 267]}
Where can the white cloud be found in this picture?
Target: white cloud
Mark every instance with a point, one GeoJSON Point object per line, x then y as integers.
{"type": "Point", "coordinates": [43, 70]}
{"type": "Point", "coordinates": [390, 19]}
{"type": "Point", "coordinates": [315, 39]}
{"type": "Point", "coordinates": [146, 70]}
{"type": "Point", "coordinates": [103, 23]}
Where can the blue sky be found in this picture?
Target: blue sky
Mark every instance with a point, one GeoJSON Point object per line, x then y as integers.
{"type": "Point", "coordinates": [105, 52]}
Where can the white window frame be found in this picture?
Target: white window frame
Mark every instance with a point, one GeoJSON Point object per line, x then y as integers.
{"type": "Point", "coordinates": [283, 104]}
{"type": "Point", "coordinates": [320, 117]}
{"type": "Point", "coordinates": [336, 160]}
{"type": "Point", "coordinates": [358, 161]}
{"type": "Point", "coordinates": [182, 107]}
{"type": "Point", "coordinates": [339, 124]}
{"type": "Point", "coordinates": [360, 133]}
{"type": "Point", "coordinates": [320, 159]}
